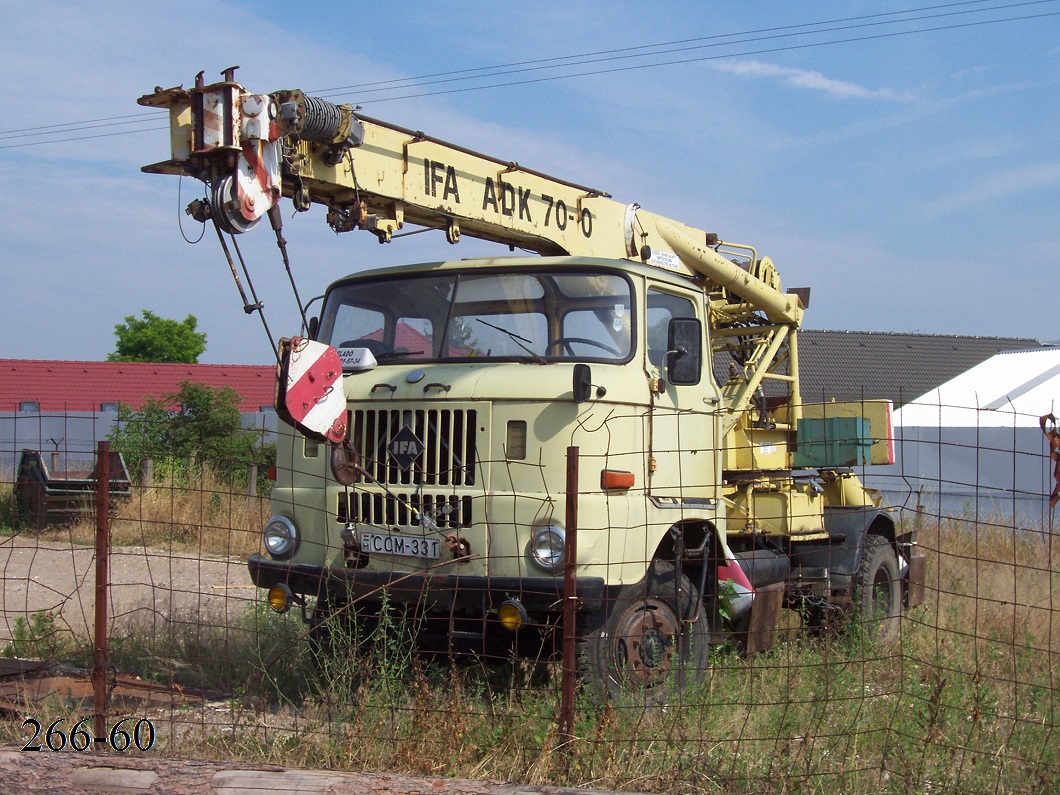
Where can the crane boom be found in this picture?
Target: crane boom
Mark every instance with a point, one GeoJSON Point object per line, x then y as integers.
{"type": "Point", "coordinates": [378, 176]}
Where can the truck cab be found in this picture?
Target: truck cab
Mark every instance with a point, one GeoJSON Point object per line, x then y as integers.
{"type": "Point", "coordinates": [485, 373]}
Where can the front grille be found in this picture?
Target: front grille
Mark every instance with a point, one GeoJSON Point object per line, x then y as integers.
{"type": "Point", "coordinates": [448, 511]}
{"type": "Point", "coordinates": [448, 437]}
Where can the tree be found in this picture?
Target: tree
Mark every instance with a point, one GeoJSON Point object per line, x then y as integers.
{"type": "Point", "coordinates": [196, 425]}
{"type": "Point", "coordinates": [157, 339]}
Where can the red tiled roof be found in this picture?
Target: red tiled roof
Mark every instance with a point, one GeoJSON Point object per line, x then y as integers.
{"type": "Point", "coordinates": [85, 386]}
{"type": "Point", "coordinates": [405, 338]}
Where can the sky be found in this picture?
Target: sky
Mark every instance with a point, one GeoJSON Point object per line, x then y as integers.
{"type": "Point", "coordinates": [902, 160]}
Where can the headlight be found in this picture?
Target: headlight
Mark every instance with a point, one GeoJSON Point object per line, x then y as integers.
{"type": "Point", "coordinates": [547, 547]}
{"type": "Point", "coordinates": [281, 537]}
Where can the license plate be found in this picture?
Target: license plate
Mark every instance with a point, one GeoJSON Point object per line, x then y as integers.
{"type": "Point", "coordinates": [394, 544]}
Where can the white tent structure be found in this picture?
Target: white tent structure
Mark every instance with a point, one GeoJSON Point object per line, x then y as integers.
{"type": "Point", "coordinates": [974, 446]}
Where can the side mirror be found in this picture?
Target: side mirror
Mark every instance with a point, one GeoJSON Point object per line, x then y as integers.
{"type": "Point", "coordinates": [583, 383]}
{"type": "Point", "coordinates": [684, 351]}
{"type": "Point", "coordinates": [314, 327]}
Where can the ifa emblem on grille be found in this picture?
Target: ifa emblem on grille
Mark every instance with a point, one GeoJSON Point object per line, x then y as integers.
{"type": "Point", "coordinates": [405, 447]}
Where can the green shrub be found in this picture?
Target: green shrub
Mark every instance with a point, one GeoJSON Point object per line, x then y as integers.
{"type": "Point", "coordinates": [39, 637]}
{"type": "Point", "coordinates": [263, 654]}
{"type": "Point", "coordinates": [8, 507]}
{"type": "Point", "coordinates": [194, 428]}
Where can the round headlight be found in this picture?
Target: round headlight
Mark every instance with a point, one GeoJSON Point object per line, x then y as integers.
{"type": "Point", "coordinates": [512, 615]}
{"type": "Point", "coordinates": [547, 547]}
{"type": "Point", "coordinates": [280, 598]}
{"type": "Point", "coordinates": [281, 537]}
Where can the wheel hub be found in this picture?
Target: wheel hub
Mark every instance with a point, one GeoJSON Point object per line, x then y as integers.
{"type": "Point", "coordinates": [653, 648]}
{"type": "Point", "coordinates": [645, 641]}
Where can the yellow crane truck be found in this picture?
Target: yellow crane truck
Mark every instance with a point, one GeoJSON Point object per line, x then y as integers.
{"type": "Point", "coordinates": [435, 409]}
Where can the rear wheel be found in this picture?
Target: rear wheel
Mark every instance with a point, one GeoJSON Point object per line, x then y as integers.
{"type": "Point", "coordinates": [652, 640]}
{"type": "Point", "coordinates": [878, 591]}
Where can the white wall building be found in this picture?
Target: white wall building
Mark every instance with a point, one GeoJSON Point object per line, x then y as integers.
{"type": "Point", "coordinates": [974, 447]}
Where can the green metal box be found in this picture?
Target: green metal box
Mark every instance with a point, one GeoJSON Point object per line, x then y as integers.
{"type": "Point", "coordinates": [832, 442]}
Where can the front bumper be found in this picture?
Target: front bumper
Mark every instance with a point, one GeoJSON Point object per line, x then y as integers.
{"type": "Point", "coordinates": [435, 591]}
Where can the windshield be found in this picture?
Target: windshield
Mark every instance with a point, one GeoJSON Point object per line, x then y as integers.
{"type": "Point", "coordinates": [530, 314]}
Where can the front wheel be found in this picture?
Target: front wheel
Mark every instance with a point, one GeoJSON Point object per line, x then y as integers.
{"type": "Point", "coordinates": [654, 638]}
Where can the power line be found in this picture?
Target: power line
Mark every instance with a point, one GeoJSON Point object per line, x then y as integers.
{"type": "Point", "coordinates": [616, 53]}
{"type": "Point", "coordinates": [586, 60]}
{"type": "Point", "coordinates": [83, 138]}
{"type": "Point", "coordinates": [4, 133]}
{"type": "Point", "coordinates": [679, 61]}
{"type": "Point", "coordinates": [51, 129]}
{"type": "Point", "coordinates": [603, 56]}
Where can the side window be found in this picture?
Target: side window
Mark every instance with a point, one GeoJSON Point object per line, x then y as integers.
{"type": "Point", "coordinates": [662, 308]}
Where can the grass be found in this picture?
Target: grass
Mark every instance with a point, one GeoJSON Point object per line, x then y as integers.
{"type": "Point", "coordinates": [40, 637]}
{"type": "Point", "coordinates": [7, 507]}
{"type": "Point", "coordinates": [965, 702]}
{"type": "Point", "coordinates": [805, 717]}
{"type": "Point", "coordinates": [202, 516]}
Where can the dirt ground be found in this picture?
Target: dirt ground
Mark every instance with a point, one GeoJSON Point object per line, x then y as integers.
{"type": "Point", "coordinates": [59, 578]}
{"type": "Point", "coordinates": [68, 773]}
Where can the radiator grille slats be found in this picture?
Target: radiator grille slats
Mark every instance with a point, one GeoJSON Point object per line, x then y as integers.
{"type": "Point", "coordinates": [448, 511]}
{"type": "Point", "coordinates": [448, 437]}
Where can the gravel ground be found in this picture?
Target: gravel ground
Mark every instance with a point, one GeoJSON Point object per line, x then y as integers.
{"type": "Point", "coordinates": [59, 578]}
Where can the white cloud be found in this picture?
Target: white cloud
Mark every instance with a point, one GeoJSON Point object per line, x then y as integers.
{"type": "Point", "coordinates": [808, 79]}
{"type": "Point", "coordinates": [971, 73]}
{"type": "Point", "coordinates": [999, 185]}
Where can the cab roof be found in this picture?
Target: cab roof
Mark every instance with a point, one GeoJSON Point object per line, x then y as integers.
{"type": "Point", "coordinates": [631, 267]}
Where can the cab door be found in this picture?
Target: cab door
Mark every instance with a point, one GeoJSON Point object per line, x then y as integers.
{"type": "Point", "coordinates": [684, 419]}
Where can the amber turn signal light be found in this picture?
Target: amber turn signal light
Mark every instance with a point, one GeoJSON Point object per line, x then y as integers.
{"type": "Point", "coordinates": [614, 479]}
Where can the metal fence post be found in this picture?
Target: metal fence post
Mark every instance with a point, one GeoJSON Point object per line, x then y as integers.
{"type": "Point", "coordinates": [570, 605]}
{"type": "Point", "coordinates": [99, 670]}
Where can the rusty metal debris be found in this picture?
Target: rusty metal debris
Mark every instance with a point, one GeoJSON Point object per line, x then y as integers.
{"type": "Point", "coordinates": [33, 684]}
{"type": "Point", "coordinates": [48, 496]}
{"type": "Point", "coordinates": [1053, 436]}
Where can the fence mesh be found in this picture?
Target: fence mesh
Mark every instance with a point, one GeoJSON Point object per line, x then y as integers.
{"type": "Point", "coordinates": [962, 698]}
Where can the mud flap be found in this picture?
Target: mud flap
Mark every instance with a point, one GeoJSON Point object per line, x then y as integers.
{"type": "Point", "coordinates": [765, 615]}
{"type": "Point", "coordinates": [916, 580]}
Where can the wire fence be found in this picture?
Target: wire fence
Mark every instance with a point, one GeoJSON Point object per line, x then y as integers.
{"type": "Point", "coordinates": [958, 695]}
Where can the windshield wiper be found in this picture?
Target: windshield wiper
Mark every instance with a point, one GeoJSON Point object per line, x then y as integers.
{"type": "Point", "coordinates": [396, 355]}
{"type": "Point", "coordinates": [537, 357]}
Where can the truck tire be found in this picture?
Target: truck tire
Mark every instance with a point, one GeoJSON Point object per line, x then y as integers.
{"type": "Point", "coordinates": [650, 642]}
{"type": "Point", "coordinates": [878, 591]}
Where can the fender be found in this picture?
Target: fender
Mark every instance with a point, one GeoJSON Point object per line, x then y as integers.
{"type": "Point", "coordinates": [847, 528]}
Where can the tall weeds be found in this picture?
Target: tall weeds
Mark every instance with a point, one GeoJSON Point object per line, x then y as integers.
{"type": "Point", "coordinates": [966, 701]}
{"type": "Point", "coordinates": [201, 514]}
